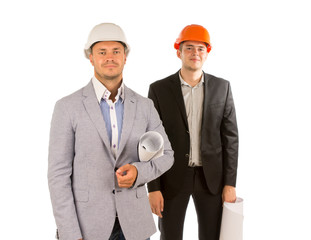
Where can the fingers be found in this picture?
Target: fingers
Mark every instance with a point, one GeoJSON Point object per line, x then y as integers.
{"type": "Point", "coordinates": [159, 209]}
{"type": "Point", "coordinates": [126, 176]}
{"type": "Point", "coordinates": [229, 194]}
{"type": "Point", "coordinates": [125, 184]}
{"type": "Point", "coordinates": [125, 181]}
{"type": "Point", "coordinates": [162, 205]}
{"type": "Point", "coordinates": [156, 203]}
{"type": "Point", "coordinates": [123, 170]}
{"type": "Point", "coordinates": [158, 213]}
{"type": "Point", "coordinates": [229, 200]}
{"type": "Point", "coordinates": [156, 209]}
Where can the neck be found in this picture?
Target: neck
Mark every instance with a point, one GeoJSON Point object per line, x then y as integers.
{"type": "Point", "coordinates": [191, 77]}
{"type": "Point", "coordinates": [112, 85]}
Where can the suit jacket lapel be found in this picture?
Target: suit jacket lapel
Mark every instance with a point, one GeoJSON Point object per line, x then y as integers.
{"type": "Point", "coordinates": [208, 86]}
{"type": "Point", "coordinates": [93, 109]}
{"type": "Point", "coordinates": [128, 118]}
{"type": "Point", "coordinates": [176, 90]}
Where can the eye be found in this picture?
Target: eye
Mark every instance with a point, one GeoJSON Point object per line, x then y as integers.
{"type": "Point", "coordinates": [116, 52]}
{"type": "Point", "coordinates": [102, 53]}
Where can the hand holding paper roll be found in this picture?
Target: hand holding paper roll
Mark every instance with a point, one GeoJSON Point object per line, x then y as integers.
{"type": "Point", "coordinates": [232, 221]}
{"type": "Point", "coordinates": [150, 146]}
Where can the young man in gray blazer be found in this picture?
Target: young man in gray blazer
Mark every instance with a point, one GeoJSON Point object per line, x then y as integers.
{"type": "Point", "coordinates": [96, 181]}
{"type": "Point", "coordinates": [199, 118]}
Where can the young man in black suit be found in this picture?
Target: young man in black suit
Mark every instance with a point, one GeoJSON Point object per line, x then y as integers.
{"type": "Point", "coordinates": [198, 114]}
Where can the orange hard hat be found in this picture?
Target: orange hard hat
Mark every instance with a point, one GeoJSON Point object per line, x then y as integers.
{"type": "Point", "coordinates": [194, 32]}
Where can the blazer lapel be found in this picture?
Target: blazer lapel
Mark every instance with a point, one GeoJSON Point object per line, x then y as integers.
{"type": "Point", "coordinates": [208, 86]}
{"type": "Point", "coordinates": [176, 90]}
{"type": "Point", "coordinates": [93, 109]}
{"type": "Point", "coordinates": [128, 118]}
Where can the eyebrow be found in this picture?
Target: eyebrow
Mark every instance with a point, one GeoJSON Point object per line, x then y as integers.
{"type": "Point", "coordinates": [191, 45]}
{"type": "Point", "coordinates": [104, 49]}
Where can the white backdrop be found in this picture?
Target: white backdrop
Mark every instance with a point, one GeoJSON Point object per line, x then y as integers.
{"type": "Point", "coordinates": [261, 47]}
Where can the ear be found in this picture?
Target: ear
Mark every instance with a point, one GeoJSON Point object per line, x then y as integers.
{"type": "Point", "coordinates": [178, 54]}
{"type": "Point", "coordinates": [91, 59]}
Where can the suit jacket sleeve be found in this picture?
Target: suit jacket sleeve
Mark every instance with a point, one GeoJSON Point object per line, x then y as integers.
{"type": "Point", "coordinates": [154, 185]}
{"type": "Point", "coordinates": [148, 171]}
{"type": "Point", "coordinates": [229, 135]}
{"type": "Point", "coordinates": [61, 155]}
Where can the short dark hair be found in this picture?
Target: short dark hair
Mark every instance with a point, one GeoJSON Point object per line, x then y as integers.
{"type": "Point", "coordinates": [124, 45]}
{"type": "Point", "coordinates": [180, 46]}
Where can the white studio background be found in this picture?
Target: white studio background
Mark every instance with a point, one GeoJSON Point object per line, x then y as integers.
{"type": "Point", "coordinates": [261, 47]}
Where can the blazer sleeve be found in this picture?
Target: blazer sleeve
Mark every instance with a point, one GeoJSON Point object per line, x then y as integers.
{"type": "Point", "coordinates": [60, 160]}
{"type": "Point", "coordinates": [230, 140]}
{"type": "Point", "coordinates": [154, 185]}
{"type": "Point", "coordinates": [148, 171]}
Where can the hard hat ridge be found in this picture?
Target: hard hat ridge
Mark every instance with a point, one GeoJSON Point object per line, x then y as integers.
{"type": "Point", "coordinates": [105, 32]}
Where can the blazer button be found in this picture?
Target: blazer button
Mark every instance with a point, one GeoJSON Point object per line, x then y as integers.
{"type": "Point", "coordinates": [187, 155]}
{"type": "Point", "coordinates": [113, 191]}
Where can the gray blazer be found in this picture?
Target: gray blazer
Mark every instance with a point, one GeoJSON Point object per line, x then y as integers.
{"type": "Point", "coordinates": [81, 172]}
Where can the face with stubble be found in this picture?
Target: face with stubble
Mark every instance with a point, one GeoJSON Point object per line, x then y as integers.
{"type": "Point", "coordinates": [108, 59]}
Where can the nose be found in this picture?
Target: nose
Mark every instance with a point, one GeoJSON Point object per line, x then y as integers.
{"type": "Point", "coordinates": [195, 51]}
{"type": "Point", "coordinates": [109, 56]}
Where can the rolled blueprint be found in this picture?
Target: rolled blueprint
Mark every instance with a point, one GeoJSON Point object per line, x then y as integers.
{"type": "Point", "coordinates": [150, 146]}
{"type": "Point", "coordinates": [232, 221]}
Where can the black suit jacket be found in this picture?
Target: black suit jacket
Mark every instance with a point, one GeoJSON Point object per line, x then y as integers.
{"type": "Point", "coordinates": [219, 137]}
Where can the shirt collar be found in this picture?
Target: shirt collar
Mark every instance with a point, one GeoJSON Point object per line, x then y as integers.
{"type": "Point", "coordinates": [102, 92]}
{"type": "Point", "coordinates": [183, 82]}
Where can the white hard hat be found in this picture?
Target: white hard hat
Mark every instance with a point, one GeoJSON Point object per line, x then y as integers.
{"type": "Point", "coordinates": [105, 32]}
